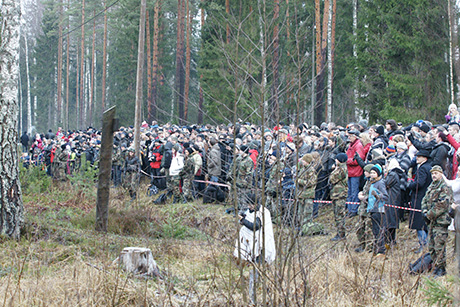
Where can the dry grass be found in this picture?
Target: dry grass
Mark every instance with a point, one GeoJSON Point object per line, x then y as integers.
{"type": "Point", "coordinates": [62, 261]}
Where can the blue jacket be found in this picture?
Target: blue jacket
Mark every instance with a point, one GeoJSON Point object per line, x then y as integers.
{"type": "Point", "coordinates": [378, 197]}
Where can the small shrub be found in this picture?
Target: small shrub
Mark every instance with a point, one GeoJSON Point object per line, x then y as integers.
{"type": "Point", "coordinates": [34, 179]}
{"type": "Point", "coordinates": [437, 294]}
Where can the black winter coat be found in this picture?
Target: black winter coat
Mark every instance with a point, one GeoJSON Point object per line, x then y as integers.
{"type": "Point", "coordinates": [393, 184]}
{"type": "Point", "coordinates": [439, 155]}
{"type": "Point", "coordinates": [418, 189]}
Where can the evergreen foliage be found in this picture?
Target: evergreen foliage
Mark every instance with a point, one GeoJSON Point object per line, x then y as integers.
{"type": "Point", "coordinates": [401, 69]}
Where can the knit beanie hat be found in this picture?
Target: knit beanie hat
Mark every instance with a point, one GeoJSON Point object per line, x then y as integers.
{"type": "Point", "coordinates": [380, 130]}
{"type": "Point", "coordinates": [390, 150]}
{"type": "Point", "coordinates": [401, 145]}
{"type": "Point", "coordinates": [378, 169]}
{"type": "Point", "coordinates": [368, 167]}
{"type": "Point", "coordinates": [342, 157]}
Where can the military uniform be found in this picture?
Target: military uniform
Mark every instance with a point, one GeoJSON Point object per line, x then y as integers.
{"type": "Point", "coordinates": [244, 171]}
{"type": "Point", "coordinates": [273, 188]}
{"type": "Point", "coordinates": [131, 175]}
{"type": "Point", "coordinates": [339, 192]}
{"type": "Point", "coordinates": [306, 181]}
{"type": "Point", "coordinates": [117, 164]}
{"type": "Point", "coordinates": [187, 174]}
{"type": "Point", "coordinates": [435, 208]}
{"type": "Point", "coordinates": [364, 229]}
{"type": "Point", "coordinates": [59, 164]}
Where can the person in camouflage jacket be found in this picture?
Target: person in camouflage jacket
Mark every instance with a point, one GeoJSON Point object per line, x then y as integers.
{"type": "Point", "coordinates": [243, 177]}
{"type": "Point", "coordinates": [364, 230]}
{"type": "Point", "coordinates": [306, 182]}
{"type": "Point", "coordinates": [187, 173]}
{"type": "Point", "coordinates": [435, 211]}
{"type": "Point", "coordinates": [131, 173]}
{"type": "Point", "coordinates": [339, 193]}
{"type": "Point", "coordinates": [273, 184]}
{"type": "Point", "coordinates": [59, 163]}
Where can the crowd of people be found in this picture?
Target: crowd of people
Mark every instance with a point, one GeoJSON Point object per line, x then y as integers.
{"type": "Point", "coordinates": [380, 174]}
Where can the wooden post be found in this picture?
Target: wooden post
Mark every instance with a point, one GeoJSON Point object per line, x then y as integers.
{"type": "Point", "coordinates": [105, 169]}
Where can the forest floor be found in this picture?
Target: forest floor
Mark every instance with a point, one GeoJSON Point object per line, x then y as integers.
{"type": "Point", "coordinates": [61, 260]}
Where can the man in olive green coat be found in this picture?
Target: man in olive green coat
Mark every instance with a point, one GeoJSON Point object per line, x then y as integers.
{"type": "Point", "coordinates": [306, 184]}
{"type": "Point", "coordinates": [435, 211]}
{"type": "Point", "coordinates": [339, 193]}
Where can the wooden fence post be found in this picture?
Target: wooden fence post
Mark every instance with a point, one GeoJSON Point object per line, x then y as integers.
{"type": "Point", "coordinates": [105, 170]}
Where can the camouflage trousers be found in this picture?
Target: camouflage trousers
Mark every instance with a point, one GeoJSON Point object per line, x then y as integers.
{"type": "Point", "coordinates": [187, 188]}
{"type": "Point", "coordinates": [364, 229]}
{"type": "Point", "coordinates": [340, 211]}
{"type": "Point", "coordinates": [274, 206]}
{"type": "Point", "coordinates": [174, 186]}
{"type": "Point", "coordinates": [305, 210]}
{"type": "Point", "coordinates": [131, 182]}
{"type": "Point", "coordinates": [437, 236]}
{"type": "Point", "coordinates": [58, 170]}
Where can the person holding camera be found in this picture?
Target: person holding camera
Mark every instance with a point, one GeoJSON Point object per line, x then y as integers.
{"type": "Point", "coordinates": [256, 233]}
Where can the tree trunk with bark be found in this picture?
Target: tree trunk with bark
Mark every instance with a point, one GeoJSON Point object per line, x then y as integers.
{"type": "Point", "coordinates": [149, 60]}
{"type": "Point", "coordinates": [139, 78]}
{"type": "Point", "coordinates": [59, 66]}
{"type": "Point", "coordinates": [92, 75]}
{"type": "Point", "coordinates": [104, 59]}
{"type": "Point", "coordinates": [201, 98]}
{"type": "Point", "coordinates": [82, 68]}
{"type": "Point", "coordinates": [275, 64]}
{"type": "Point", "coordinates": [179, 79]}
{"type": "Point", "coordinates": [12, 211]}
{"type": "Point", "coordinates": [321, 47]}
{"type": "Point", "coordinates": [188, 60]}
{"type": "Point", "coordinates": [152, 106]}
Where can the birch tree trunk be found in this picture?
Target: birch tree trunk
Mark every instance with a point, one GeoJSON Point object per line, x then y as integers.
{"type": "Point", "coordinates": [455, 47]}
{"type": "Point", "coordinates": [67, 69]}
{"type": "Point", "coordinates": [29, 102]}
{"type": "Point", "coordinates": [275, 63]}
{"type": "Point", "coordinates": [11, 215]}
{"type": "Point", "coordinates": [451, 66]}
{"type": "Point", "coordinates": [201, 98]}
{"type": "Point", "coordinates": [93, 74]}
{"type": "Point", "coordinates": [140, 73]}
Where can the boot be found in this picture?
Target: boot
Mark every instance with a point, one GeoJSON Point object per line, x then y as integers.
{"type": "Point", "coordinates": [439, 272]}
{"type": "Point", "coordinates": [176, 199]}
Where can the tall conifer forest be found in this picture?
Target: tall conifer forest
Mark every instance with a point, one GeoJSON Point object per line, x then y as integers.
{"type": "Point", "coordinates": [261, 61]}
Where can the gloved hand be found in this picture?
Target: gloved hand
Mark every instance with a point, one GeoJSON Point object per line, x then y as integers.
{"type": "Point", "coordinates": [448, 118]}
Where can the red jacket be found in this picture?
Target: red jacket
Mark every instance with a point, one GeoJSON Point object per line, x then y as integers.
{"type": "Point", "coordinates": [158, 157]}
{"type": "Point", "coordinates": [354, 170]}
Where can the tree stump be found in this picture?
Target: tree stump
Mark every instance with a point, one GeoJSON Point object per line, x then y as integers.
{"type": "Point", "coordinates": [139, 261]}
